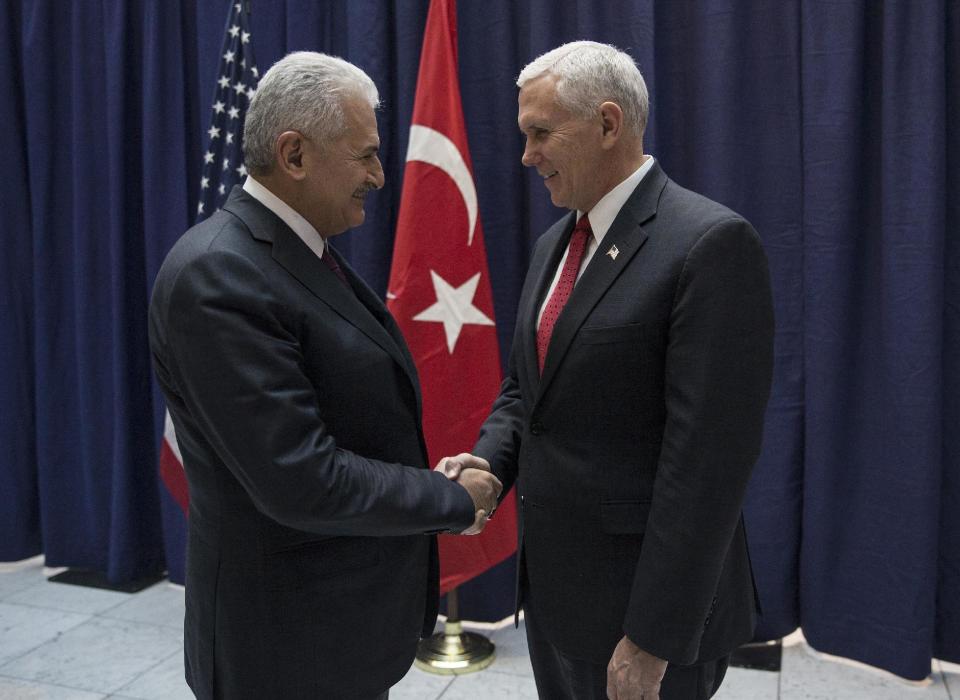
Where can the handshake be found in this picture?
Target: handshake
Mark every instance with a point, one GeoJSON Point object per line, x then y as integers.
{"type": "Point", "coordinates": [473, 474]}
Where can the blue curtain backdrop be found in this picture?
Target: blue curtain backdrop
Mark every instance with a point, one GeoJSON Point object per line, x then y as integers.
{"type": "Point", "coordinates": [825, 123]}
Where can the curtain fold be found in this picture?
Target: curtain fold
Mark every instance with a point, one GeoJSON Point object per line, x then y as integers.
{"type": "Point", "coordinates": [826, 124]}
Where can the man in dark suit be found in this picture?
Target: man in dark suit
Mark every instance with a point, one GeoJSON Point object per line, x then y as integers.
{"type": "Point", "coordinates": [311, 562]}
{"type": "Point", "coordinates": [632, 409]}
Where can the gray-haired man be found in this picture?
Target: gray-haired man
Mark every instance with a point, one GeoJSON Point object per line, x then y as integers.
{"type": "Point", "coordinates": [311, 565]}
{"type": "Point", "coordinates": [631, 414]}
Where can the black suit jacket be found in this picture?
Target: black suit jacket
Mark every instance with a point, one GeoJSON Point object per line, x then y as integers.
{"type": "Point", "coordinates": [297, 411]}
{"type": "Point", "coordinates": [632, 452]}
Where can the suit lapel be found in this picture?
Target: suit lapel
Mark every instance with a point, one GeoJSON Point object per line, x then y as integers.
{"type": "Point", "coordinates": [395, 343]}
{"type": "Point", "coordinates": [357, 306]}
{"type": "Point", "coordinates": [555, 240]}
{"type": "Point", "coordinates": [627, 234]}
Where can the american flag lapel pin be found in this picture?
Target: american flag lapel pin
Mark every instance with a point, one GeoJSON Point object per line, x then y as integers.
{"type": "Point", "coordinates": [613, 252]}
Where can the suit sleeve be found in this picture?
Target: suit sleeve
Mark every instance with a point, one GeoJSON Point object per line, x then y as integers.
{"type": "Point", "coordinates": [242, 382]}
{"type": "Point", "coordinates": [500, 434]}
{"type": "Point", "coordinates": [717, 380]}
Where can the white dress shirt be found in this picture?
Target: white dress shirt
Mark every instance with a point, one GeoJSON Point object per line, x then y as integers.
{"type": "Point", "coordinates": [601, 218]}
{"type": "Point", "coordinates": [290, 217]}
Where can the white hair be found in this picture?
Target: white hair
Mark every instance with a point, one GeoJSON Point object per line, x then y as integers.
{"type": "Point", "coordinates": [304, 91]}
{"type": "Point", "coordinates": [589, 73]}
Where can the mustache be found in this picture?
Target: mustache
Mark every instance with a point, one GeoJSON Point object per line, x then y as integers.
{"type": "Point", "coordinates": [363, 191]}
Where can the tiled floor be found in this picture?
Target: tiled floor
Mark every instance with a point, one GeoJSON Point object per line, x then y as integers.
{"type": "Point", "coordinates": [63, 641]}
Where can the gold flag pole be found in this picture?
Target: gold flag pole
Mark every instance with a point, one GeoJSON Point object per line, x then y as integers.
{"type": "Point", "coordinates": [453, 651]}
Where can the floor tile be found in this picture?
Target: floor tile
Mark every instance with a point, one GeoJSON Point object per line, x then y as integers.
{"type": "Point", "coordinates": [744, 684]}
{"type": "Point", "coordinates": [13, 689]}
{"type": "Point", "coordinates": [420, 685]}
{"type": "Point", "coordinates": [806, 677]}
{"type": "Point", "coordinates": [491, 685]}
{"type": "Point", "coordinates": [162, 682]}
{"type": "Point", "coordinates": [69, 598]}
{"type": "Point", "coordinates": [161, 604]}
{"type": "Point", "coordinates": [15, 578]}
{"type": "Point", "coordinates": [99, 655]}
{"type": "Point", "coordinates": [512, 654]}
{"type": "Point", "coordinates": [23, 628]}
{"type": "Point", "coordinates": [951, 677]}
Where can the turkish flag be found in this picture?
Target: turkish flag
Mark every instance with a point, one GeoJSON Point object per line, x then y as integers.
{"type": "Point", "coordinates": [439, 290]}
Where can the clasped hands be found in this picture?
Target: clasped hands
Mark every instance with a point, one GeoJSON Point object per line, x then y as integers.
{"type": "Point", "coordinates": [473, 474]}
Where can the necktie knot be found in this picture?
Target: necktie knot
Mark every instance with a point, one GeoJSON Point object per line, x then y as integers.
{"type": "Point", "coordinates": [583, 224]}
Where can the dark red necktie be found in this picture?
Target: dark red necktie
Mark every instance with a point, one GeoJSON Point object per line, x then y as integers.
{"type": "Point", "coordinates": [328, 259]}
{"type": "Point", "coordinates": [561, 293]}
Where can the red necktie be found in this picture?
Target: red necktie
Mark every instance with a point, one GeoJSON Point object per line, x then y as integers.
{"type": "Point", "coordinates": [330, 262]}
{"type": "Point", "coordinates": [561, 293]}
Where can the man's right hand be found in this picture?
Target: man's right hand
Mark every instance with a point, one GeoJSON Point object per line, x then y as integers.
{"type": "Point", "coordinates": [452, 466]}
{"type": "Point", "coordinates": [484, 489]}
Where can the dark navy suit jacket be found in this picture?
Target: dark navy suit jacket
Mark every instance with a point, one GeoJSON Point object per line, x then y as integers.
{"type": "Point", "coordinates": [632, 451]}
{"type": "Point", "coordinates": [311, 564]}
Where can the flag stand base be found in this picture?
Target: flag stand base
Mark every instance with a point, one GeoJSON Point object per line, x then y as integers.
{"type": "Point", "coordinates": [453, 651]}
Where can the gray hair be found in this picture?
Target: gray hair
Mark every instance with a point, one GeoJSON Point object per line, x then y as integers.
{"type": "Point", "coordinates": [589, 73]}
{"type": "Point", "coordinates": [304, 91]}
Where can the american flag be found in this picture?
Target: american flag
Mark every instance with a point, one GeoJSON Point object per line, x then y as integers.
{"type": "Point", "coordinates": [238, 75]}
{"type": "Point", "coordinates": [222, 169]}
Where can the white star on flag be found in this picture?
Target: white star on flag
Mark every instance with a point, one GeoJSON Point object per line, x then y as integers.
{"type": "Point", "coordinates": [223, 152]}
{"type": "Point", "coordinates": [245, 37]}
{"type": "Point", "coordinates": [242, 170]}
{"type": "Point", "coordinates": [454, 308]}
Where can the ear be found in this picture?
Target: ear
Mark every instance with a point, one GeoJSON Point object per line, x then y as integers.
{"type": "Point", "coordinates": [288, 154]}
{"type": "Point", "coordinates": [611, 121]}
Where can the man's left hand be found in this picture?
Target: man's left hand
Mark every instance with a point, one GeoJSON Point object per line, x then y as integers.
{"type": "Point", "coordinates": [633, 674]}
{"type": "Point", "coordinates": [452, 466]}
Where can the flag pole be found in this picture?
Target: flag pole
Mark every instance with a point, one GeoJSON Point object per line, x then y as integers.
{"type": "Point", "coordinates": [453, 651]}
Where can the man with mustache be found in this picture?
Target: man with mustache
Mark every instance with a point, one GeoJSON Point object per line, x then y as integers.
{"type": "Point", "coordinates": [632, 409]}
{"type": "Point", "coordinates": [312, 562]}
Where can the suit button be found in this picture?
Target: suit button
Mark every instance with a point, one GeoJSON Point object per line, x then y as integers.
{"type": "Point", "coordinates": [536, 428]}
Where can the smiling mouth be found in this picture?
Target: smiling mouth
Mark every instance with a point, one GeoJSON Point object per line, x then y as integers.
{"type": "Point", "coordinates": [549, 175]}
{"type": "Point", "coordinates": [362, 193]}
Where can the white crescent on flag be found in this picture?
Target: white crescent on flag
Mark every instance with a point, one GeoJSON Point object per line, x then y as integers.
{"type": "Point", "coordinates": [430, 146]}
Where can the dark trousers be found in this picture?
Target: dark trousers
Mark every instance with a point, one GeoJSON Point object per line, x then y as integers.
{"type": "Point", "coordinates": [560, 677]}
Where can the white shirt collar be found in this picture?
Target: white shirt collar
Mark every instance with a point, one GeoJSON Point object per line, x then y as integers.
{"type": "Point", "coordinates": [606, 210]}
{"type": "Point", "coordinates": [300, 226]}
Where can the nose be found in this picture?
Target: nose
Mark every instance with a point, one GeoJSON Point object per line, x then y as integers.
{"type": "Point", "coordinates": [530, 155]}
{"type": "Point", "coordinates": [375, 174]}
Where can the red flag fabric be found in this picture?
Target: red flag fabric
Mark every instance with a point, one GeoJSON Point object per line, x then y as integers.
{"type": "Point", "coordinates": [439, 290]}
{"type": "Point", "coordinates": [171, 466]}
